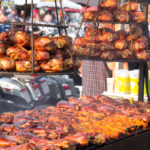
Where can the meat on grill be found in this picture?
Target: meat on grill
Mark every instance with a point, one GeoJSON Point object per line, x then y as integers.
{"type": "Point", "coordinates": [17, 53]}
{"type": "Point", "coordinates": [138, 17]}
{"type": "Point", "coordinates": [54, 65]}
{"type": "Point", "coordinates": [121, 15]}
{"type": "Point", "coordinates": [133, 6]}
{"type": "Point", "coordinates": [105, 15]}
{"type": "Point", "coordinates": [7, 64]}
{"type": "Point", "coordinates": [121, 44]}
{"type": "Point", "coordinates": [108, 4]}
{"type": "Point", "coordinates": [139, 44]}
{"type": "Point", "coordinates": [45, 43]}
{"type": "Point", "coordinates": [40, 55]}
{"type": "Point", "coordinates": [26, 66]}
{"type": "Point", "coordinates": [89, 15]}
{"type": "Point", "coordinates": [20, 38]}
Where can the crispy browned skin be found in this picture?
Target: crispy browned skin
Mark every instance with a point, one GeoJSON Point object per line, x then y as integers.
{"type": "Point", "coordinates": [17, 53]}
{"type": "Point", "coordinates": [26, 66]}
{"type": "Point", "coordinates": [62, 41]}
{"type": "Point", "coordinates": [126, 6]}
{"type": "Point", "coordinates": [121, 44]}
{"type": "Point", "coordinates": [89, 15]}
{"type": "Point", "coordinates": [138, 17]}
{"type": "Point", "coordinates": [105, 15]}
{"type": "Point", "coordinates": [3, 48]}
{"type": "Point", "coordinates": [108, 4]}
{"type": "Point", "coordinates": [124, 54]}
{"type": "Point", "coordinates": [45, 43]}
{"type": "Point", "coordinates": [20, 38]}
{"type": "Point", "coordinates": [7, 64]}
{"type": "Point", "coordinates": [139, 44]}
{"type": "Point", "coordinates": [121, 15]}
{"type": "Point", "coordinates": [40, 55]}
{"type": "Point", "coordinates": [141, 55]}
{"type": "Point", "coordinates": [54, 65]}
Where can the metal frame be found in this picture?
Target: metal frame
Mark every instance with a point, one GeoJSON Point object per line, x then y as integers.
{"type": "Point", "coordinates": [96, 22]}
{"type": "Point", "coordinates": [143, 76]}
{"type": "Point", "coordinates": [32, 24]}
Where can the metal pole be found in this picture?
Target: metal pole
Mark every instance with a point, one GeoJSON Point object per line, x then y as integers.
{"type": "Point", "coordinates": [57, 17]}
{"type": "Point", "coordinates": [25, 14]}
{"type": "Point", "coordinates": [32, 46]}
{"type": "Point", "coordinates": [141, 82]}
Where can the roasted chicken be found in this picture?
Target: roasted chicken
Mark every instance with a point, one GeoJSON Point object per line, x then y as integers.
{"type": "Point", "coordinates": [124, 54]}
{"type": "Point", "coordinates": [26, 66]}
{"type": "Point", "coordinates": [121, 34]}
{"type": "Point", "coordinates": [108, 4]}
{"type": "Point", "coordinates": [7, 64]}
{"type": "Point", "coordinates": [17, 53]}
{"type": "Point", "coordinates": [138, 17]}
{"type": "Point", "coordinates": [45, 43]}
{"type": "Point", "coordinates": [133, 6]}
{"type": "Point", "coordinates": [121, 44]}
{"type": "Point", "coordinates": [63, 41]}
{"type": "Point", "coordinates": [90, 15]}
{"type": "Point", "coordinates": [121, 15]}
{"type": "Point", "coordinates": [107, 55]}
{"type": "Point", "coordinates": [20, 38]}
{"type": "Point", "coordinates": [54, 65]}
{"type": "Point", "coordinates": [39, 55]}
{"type": "Point", "coordinates": [105, 15]}
{"type": "Point", "coordinates": [142, 55]}
{"type": "Point", "coordinates": [139, 44]}
{"type": "Point", "coordinates": [3, 48]}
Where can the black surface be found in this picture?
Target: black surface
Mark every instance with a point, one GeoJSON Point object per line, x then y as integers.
{"type": "Point", "coordinates": [36, 73]}
{"type": "Point", "coordinates": [141, 82]}
{"type": "Point", "coordinates": [137, 142]}
{"type": "Point", "coordinates": [114, 60]}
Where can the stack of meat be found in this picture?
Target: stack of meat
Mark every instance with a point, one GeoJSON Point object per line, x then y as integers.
{"type": "Point", "coordinates": [51, 54]}
{"type": "Point", "coordinates": [107, 44]}
{"type": "Point", "coordinates": [109, 11]}
{"type": "Point", "coordinates": [85, 120]}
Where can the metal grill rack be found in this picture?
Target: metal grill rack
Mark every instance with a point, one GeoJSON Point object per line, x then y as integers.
{"type": "Point", "coordinates": [32, 24]}
{"type": "Point", "coordinates": [143, 77]}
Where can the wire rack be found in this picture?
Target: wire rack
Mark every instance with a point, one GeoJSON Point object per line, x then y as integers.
{"type": "Point", "coordinates": [95, 23]}
{"type": "Point", "coordinates": [32, 24]}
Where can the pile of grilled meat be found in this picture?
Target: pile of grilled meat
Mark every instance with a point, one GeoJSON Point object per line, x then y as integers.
{"type": "Point", "coordinates": [107, 44]}
{"type": "Point", "coordinates": [110, 11]}
{"type": "Point", "coordinates": [76, 121]}
{"type": "Point", "coordinates": [51, 54]}
{"type": "Point", "coordinates": [110, 45]}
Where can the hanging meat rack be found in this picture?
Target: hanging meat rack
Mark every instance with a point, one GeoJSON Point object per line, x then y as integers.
{"type": "Point", "coordinates": [143, 67]}
{"type": "Point", "coordinates": [32, 24]}
{"type": "Point", "coordinates": [95, 23]}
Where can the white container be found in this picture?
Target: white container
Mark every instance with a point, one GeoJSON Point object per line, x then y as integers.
{"type": "Point", "coordinates": [110, 84]}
